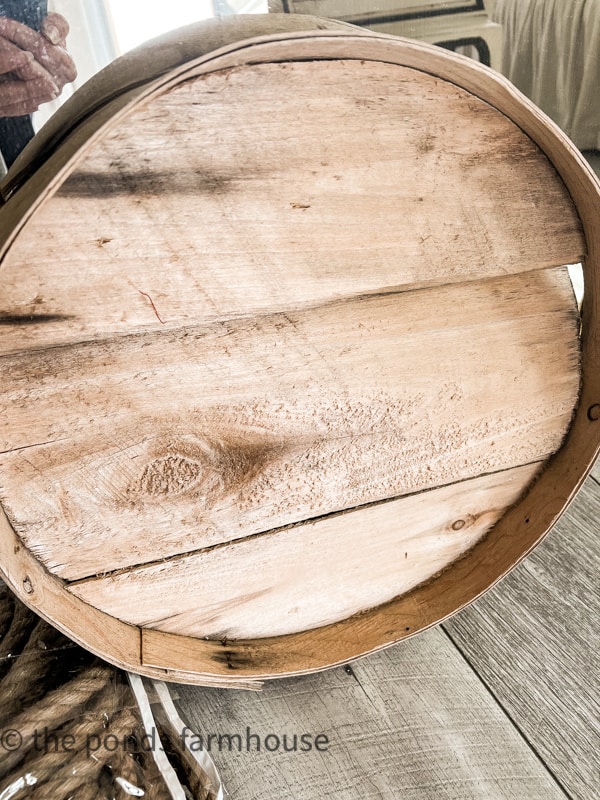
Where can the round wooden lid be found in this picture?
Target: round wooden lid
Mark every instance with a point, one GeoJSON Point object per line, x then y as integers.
{"type": "Point", "coordinates": [287, 343]}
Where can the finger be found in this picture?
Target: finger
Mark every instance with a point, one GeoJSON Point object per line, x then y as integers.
{"type": "Point", "coordinates": [12, 57]}
{"type": "Point", "coordinates": [33, 71]}
{"type": "Point", "coordinates": [55, 28]}
{"type": "Point", "coordinates": [23, 97]}
{"type": "Point", "coordinates": [20, 109]}
{"type": "Point", "coordinates": [55, 59]}
{"type": "Point", "coordinates": [65, 66]}
{"type": "Point", "coordinates": [37, 90]}
{"type": "Point", "coordinates": [19, 34]}
{"type": "Point", "coordinates": [57, 62]}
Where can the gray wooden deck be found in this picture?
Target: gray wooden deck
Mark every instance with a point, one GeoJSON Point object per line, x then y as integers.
{"type": "Point", "coordinates": [500, 703]}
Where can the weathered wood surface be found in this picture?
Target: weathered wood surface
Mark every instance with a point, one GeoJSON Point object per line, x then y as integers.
{"type": "Point", "coordinates": [127, 76]}
{"type": "Point", "coordinates": [204, 203]}
{"type": "Point", "coordinates": [414, 723]}
{"type": "Point", "coordinates": [388, 414]}
{"type": "Point", "coordinates": [531, 640]}
{"type": "Point", "coordinates": [534, 642]}
{"type": "Point", "coordinates": [89, 627]}
{"type": "Point", "coordinates": [313, 574]}
{"type": "Point", "coordinates": [516, 531]}
{"type": "Point", "coordinates": [165, 443]}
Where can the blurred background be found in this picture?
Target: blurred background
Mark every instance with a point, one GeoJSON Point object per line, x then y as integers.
{"type": "Point", "coordinates": [547, 48]}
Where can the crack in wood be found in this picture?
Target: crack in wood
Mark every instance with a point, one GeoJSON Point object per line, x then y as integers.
{"type": "Point", "coordinates": [349, 671]}
{"type": "Point", "coordinates": [30, 446]}
{"type": "Point", "coordinates": [238, 321]}
{"type": "Point", "coordinates": [100, 576]}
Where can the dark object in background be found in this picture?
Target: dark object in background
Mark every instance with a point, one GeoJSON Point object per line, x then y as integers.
{"type": "Point", "coordinates": [29, 12]}
{"type": "Point", "coordinates": [15, 132]}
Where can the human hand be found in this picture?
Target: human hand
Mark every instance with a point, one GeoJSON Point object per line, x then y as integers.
{"type": "Point", "coordinates": [34, 66]}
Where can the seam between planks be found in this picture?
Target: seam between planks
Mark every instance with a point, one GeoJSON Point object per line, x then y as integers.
{"type": "Point", "coordinates": [273, 531]}
{"type": "Point", "coordinates": [209, 325]}
{"type": "Point", "coordinates": [510, 719]}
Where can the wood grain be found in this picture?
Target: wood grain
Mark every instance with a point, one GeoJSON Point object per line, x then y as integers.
{"type": "Point", "coordinates": [209, 204]}
{"type": "Point", "coordinates": [523, 526]}
{"type": "Point", "coordinates": [309, 575]}
{"type": "Point", "coordinates": [28, 579]}
{"type": "Point", "coordinates": [128, 76]}
{"type": "Point", "coordinates": [164, 443]}
{"type": "Point", "coordinates": [534, 639]}
{"type": "Point", "coordinates": [89, 627]}
{"type": "Point", "coordinates": [414, 723]}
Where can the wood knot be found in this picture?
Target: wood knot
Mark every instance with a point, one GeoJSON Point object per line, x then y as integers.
{"type": "Point", "coordinates": [466, 521]}
{"type": "Point", "coordinates": [201, 466]}
{"type": "Point", "coordinates": [172, 474]}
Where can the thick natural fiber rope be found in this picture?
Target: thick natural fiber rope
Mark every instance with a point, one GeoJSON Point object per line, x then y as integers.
{"type": "Point", "coordinates": [96, 702]}
{"type": "Point", "coordinates": [62, 775]}
{"type": "Point", "coordinates": [7, 611]}
{"type": "Point", "coordinates": [21, 626]}
{"type": "Point", "coordinates": [36, 667]}
{"type": "Point", "coordinates": [54, 710]}
{"type": "Point", "coordinates": [45, 766]}
{"type": "Point", "coordinates": [125, 766]}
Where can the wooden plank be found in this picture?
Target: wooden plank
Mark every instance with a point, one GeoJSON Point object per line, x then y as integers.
{"type": "Point", "coordinates": [129, 75]}
{"type": "Point", "coordinates": [309, 575]}
{"type": "Point", "coordinates": [523, 527]}
{"type": "Point", "coordinates": [414, 723]}
{"type": "Point", "coordinates": [534, 638]}
{"type": "Point", "coordinates": [29, 580]}
{"type": "Point", "coordinates": [211, 204]}
{"type": "Point", "coordinates": [164, 443]}
{"type": "Point", "coordinates": [108, 636]}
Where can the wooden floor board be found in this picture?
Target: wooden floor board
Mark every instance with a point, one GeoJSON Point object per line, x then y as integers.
{"type": "Point", "coordinates": [414, 722]}
{"type": "Point", "coordinates": [534, 641]}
